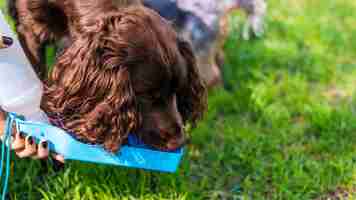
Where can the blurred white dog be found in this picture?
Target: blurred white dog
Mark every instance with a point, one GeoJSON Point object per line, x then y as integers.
{"type": "Point", "coordinates": [210, 11]}
{"type": "Point", "coordinates": [203, 23]}
{"type": "Point", "coordinates": [256, 11]}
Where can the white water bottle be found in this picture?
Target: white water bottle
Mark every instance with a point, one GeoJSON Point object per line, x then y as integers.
{"type": "Point", "coordinates": [20, 88]}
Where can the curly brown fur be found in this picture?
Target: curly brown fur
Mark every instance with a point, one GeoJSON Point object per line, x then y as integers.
{"type": "Point", "coordinates": [36, 27]}
{"type": "Point", "coordinates": [126, 71]}
{"type": "Point", "coordinates": [40, 22]}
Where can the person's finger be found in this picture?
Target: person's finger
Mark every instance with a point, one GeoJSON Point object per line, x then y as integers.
{"type": "Point", "coordinates": [5, 42]}
{"type": "Point", "coordinates": [18, 142]}
{"type": "Point", "coordinates": [43, 151]}
{"type": "Point", "coordinates": [3, 116]}
{"type": "Point", "coordinates": [58, 157]}
{"type": "Point", "coordinates": [30, 148]}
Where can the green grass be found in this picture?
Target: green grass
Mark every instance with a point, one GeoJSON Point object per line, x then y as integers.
{"type": "Point", "coordinates": [284, 127]}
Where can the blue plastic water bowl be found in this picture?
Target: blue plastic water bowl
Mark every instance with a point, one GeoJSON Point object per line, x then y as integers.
{"type": "Point", "coordinates": [135, 154]}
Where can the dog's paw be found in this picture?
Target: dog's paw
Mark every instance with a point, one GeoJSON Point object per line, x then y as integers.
{"type": "Point", "coordinates": [253, 28]}
{"type": "Point", "coordinates": [255, 25]}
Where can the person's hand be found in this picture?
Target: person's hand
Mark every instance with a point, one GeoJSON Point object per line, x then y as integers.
{"type": "Point", "coordinates": [5, 42]}
{"type": "Point", "coordinates": [25, 146]}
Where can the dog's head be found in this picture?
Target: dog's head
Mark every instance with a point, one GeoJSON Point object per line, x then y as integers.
{"type": "Point", "coordinates": [128, 72]}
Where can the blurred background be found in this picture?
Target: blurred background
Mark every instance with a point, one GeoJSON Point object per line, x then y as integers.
{"type": "Point", "coordinates": [282, 125]}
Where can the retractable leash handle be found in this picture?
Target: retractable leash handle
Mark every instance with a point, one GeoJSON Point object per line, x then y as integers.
{"type": "Point", "coordinates": [135, 154]}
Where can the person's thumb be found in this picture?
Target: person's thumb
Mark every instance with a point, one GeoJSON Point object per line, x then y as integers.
{"type": "Point", "coordinates": [5, 41]}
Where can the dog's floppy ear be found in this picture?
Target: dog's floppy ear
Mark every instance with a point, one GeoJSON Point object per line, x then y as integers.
{"type": "Point", "coordinates": [91, 89]}
{"type": "Point", "coordinates": [192, 99]}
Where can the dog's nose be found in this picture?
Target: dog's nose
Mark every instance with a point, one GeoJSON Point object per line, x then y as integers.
{"type": "Point", "coordinates": [175, 143]}
{"type": "Point", "coordinates": [178, 138]}
{"type": "Point", "coordinates": [178, 130]}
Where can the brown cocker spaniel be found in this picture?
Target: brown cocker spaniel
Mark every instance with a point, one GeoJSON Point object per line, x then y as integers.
{"type": "Point", "coordinates": [123, 70]}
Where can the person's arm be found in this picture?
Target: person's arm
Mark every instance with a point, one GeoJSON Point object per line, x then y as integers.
{"type": "Point", "coordinates": [23, 146]}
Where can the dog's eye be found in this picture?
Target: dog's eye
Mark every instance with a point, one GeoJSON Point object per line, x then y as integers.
{"type": "Point", "coordinates": [151, 96]}
{"type": "Point", "coordinates": [156, 96]}
{"type": "Point", "coordinates": [157, 99]}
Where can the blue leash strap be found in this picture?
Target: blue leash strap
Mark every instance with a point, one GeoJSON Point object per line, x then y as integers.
{"type": "Point", "coordinates": [6, 155]}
